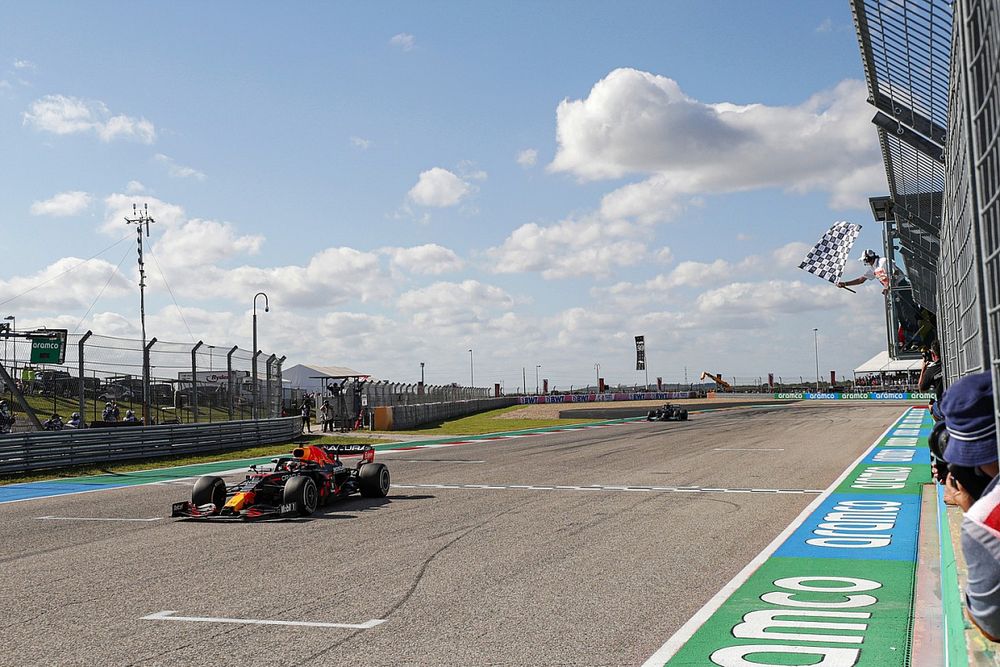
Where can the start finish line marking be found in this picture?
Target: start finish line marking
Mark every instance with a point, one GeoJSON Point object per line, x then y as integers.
{"type": "Point", "coordinates": [599, 487]}
{"type": "Point", "coordinates": [169, 616]}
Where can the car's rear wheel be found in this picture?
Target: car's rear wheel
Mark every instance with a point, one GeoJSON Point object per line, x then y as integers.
{"type": "Point", "coordinates": [684, 415]}
{"type": "Point", "coordinates": [650, 415]}
{"type": "Point", "coordinates": [209, 490]}
{"type": "Point", "coordinates": [301, 492]}
{"type": "Point", "coordinates": [373, 480]}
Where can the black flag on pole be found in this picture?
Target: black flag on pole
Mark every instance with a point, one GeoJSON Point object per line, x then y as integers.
{"type": "Point", "coordinates": [640, 353]}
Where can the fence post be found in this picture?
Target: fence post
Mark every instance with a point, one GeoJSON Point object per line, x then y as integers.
{"type": "Point", "coordinates": [281, 387]}
{"type": "Point", "coordinates": [83, 387]}
{"type": "Point", "coordinates": [255, 410]}
{"type": "Point", "coordinates": [229, 381]}
{"type": "Point", "coordinates": [267, 391]}
{"type": "Point", "coordinates": [194, 381]}
{"type": "Point", "coordinates": [145, 389]}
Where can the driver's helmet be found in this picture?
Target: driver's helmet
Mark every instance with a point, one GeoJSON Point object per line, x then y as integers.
{"type": "Point", "coordinates": [869, 256]}
{"type": "Point", "coordinates": [75, 415]}
{"type": "Point", "coordinates": [292, 465]}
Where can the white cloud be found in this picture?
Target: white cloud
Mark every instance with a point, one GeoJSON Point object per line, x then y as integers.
{"type": "Point", "coordinates": [439, 188]}
{"type": "Point", "coordinates": [359, 142]}
{"type": "Point", "coordinates": [63, 115]}
{"type": "Point", "coordinates": [63, 204]}
{"type": "Point", "coordinates": [199, 242]}
{"type": "Point", "coordinates": [404, 41]}
{"type": "Point", "coordinates": [826, 25]}
{"type": "Point", "coordinates": [67, 284]}
{"type": "Point", "coordinates": [634, 122]}
{"type": "Point", "coordinates": [134, 187]}
{"type": "Point", "coordinates": [118, 206]}
{"type": "Point", "coordinates": [24, 64]}
{"type": "Point", "coordinates": [177, 170]}
{"type": "Point", "coordinates": [453, 307]}
{"type": "Point", "coordinates": [527, 158]}
{"type": "Point", "coordinates": [428, 259]}
{"type": "Point", "coordinates": [591, 246]}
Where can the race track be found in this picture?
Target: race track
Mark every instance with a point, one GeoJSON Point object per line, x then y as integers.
{"type": "Point", "coordinates": [544, 550]}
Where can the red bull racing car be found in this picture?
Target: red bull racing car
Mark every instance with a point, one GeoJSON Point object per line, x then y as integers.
{"type": "Point", "coordinates": [293, 487]}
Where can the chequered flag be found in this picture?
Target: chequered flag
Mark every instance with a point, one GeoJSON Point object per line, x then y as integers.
{"type": "Point", "coordinates": [828, 257]}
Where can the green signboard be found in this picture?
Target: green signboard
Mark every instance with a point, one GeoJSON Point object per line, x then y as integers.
{"type": "Point", "coordinates": [48, 350]}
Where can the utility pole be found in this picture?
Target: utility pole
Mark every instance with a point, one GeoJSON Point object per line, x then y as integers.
{"type": "Point", "coordinates": [139, 220]}
{"type": "Point", "coordinates": [524, 380]}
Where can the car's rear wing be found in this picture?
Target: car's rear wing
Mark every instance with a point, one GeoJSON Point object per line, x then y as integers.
{"type": "Point", "coordinates": [367, 452]}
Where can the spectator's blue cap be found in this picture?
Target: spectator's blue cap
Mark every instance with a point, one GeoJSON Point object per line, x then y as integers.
{"type": "Point", "coordinates": [970, 420]}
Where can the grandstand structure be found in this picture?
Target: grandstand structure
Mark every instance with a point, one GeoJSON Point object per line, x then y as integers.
{"type": "Point", "coordinates": [933, 74]}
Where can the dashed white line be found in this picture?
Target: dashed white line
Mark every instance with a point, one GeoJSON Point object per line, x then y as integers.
{"type": "Point", "coordinates": [169, 616]}
{"type": "Point", "coordinates": [91, 518]}
{"type": "Point", "coordinates": [748, 449]}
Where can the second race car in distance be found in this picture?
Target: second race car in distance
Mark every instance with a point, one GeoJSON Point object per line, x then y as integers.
{"type": "Point", "coordinates": [294, 486]}
{"type": "Point", "coordinates": [666, 413]}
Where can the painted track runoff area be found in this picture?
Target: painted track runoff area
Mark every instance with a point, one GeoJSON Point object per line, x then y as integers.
{"type": "Point", "coordinates": [585, 547]}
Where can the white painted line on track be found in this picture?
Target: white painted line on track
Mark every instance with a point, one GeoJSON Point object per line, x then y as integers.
{"type": "Point", "coordinates": [168, 616]}
{"type": "Point", "coordinates": [736, 449]}
{"type": "Point", "coordinates": [91, 518]}
{"type": "Point", "coordinates": [395, 460]}
{"type": "Point", "coordinates": [598, 487]}
{"type": "Point", "coordinates": [686, 631]}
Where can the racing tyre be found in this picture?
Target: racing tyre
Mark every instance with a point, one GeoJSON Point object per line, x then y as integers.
{"type": "Point", "coordinates": [650, 415]}
{"type": "Point", "coordinates": [209, 490]}
{"type": "Point", "coordinates": [684, 415]}
{"type": "Point", "coordinates": [301, 492]}
{"type": "Point", "coordinates": [373, 478]}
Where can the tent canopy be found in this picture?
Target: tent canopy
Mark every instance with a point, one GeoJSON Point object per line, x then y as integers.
{"type": "Point", "coordinates": [881, 363]}
{"type": "Point", "coordinates": [314, 378]}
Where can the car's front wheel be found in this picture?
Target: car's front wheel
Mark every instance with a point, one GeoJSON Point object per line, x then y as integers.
{"type": "Point", "coordinates": [301, 492]}
{"type": "Point", "coordinates": [209, 490]}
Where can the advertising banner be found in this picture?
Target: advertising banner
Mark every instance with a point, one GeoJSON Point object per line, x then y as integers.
{"type": "Point", "coordinates": [640, 353]}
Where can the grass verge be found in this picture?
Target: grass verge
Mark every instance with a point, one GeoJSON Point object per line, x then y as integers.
{"type": "Point", "coordinates": [153, 464]}
{"type": "Point", "coordinates": [489, 422]}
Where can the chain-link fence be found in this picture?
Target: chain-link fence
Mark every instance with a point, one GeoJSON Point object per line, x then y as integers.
{"type": "Point", "coordinates": [113, 381]}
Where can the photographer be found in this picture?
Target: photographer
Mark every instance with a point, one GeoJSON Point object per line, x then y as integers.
{"type": "Point", "coordinates": [969, 411]}
{"type": "Point", "coordinates": [931, 375]}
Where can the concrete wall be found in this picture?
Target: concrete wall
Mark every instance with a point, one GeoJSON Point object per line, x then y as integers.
{"type": "Point", "coordinates": [402, 417]}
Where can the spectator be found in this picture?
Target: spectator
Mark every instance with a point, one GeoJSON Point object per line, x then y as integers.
{"type": "Point", "coordinates": [326, 416]}
{"type": "Point", "coordinates": [109, 413]}
{"type": "Point", "coordinates": [53, 423]}
{"type": "Point", "coordinates": [130, 417]}
{"type": "Point", "coordinates": [931, 377]}
{"type": "Point", "coordinates": [75, 421]}
{"type": "Point", "coordinates": [972, 441]}
{"type": "Point", "coordinates": [306, 417]}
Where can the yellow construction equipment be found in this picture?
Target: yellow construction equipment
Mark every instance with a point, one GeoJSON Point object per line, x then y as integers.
{"type": "Point", "coordinates": [717, 379]}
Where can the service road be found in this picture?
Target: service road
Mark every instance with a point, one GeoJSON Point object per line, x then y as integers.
{"type": "Point", "coordinates": [587, 547]}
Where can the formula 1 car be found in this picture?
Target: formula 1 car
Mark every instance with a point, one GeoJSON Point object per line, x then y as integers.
{"type": "Point", "coordinates": [293, 487]}
{"type": "Point", "coordinates": [667, 413]}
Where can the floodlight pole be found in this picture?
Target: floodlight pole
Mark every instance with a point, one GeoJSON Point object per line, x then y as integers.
{"type": "Point", "coordinates": [139, 220]}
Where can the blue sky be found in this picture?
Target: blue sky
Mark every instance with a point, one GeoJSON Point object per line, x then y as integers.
{"type": "Point", "coordinates": [539, 182]}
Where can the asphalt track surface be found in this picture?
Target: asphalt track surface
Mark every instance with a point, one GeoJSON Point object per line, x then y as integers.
{"type": "Point", "coordinates": [459, 575]}
{"type": "Point", "coordinates": [626, 412]}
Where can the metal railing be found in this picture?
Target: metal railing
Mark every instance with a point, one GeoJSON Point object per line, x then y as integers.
{"type": "Point", "coordinates": [25, 452]}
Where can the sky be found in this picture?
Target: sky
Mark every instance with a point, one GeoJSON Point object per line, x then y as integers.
{"type": "Point", "coordinates": [536, 182]}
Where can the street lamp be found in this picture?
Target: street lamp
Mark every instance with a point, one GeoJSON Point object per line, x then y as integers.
{"type": "Point", "coordinates": [254, 351]}
{"type": "Point", "coordinates": [472, 371]}
{"type": "Point", "coordinates": [421, 372]}
{"type": "Point", "coordinates": [537, 366]}
{"type": "Point", "coordinates": [816, 344]}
